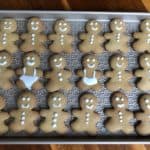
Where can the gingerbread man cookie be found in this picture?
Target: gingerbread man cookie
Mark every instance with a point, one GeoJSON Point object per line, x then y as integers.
{"type": "Point", "coordinates": [118, 38]}
{"type": "Point", "coordinates": [6, 74]}
{"type": "Point", "coordinates": [144, 117]}
{"type": "Point", "coordinates": [8, 35]}
{"type": "Point", "coordinates": [35, 39]}
{"type": "Point", "coordinates": [91, 40]}
{"type": "Point", "coordinates": [3, 116]}
{"type": "Point", "coordinates": [30, 74]}
{"type": "Point", "coordinates": [58, 76]}
{"type": "Point", "coordinates": [142, 42]}
{"type": "Point", "coordinates": [25, 117]}
{"type": "Point", "coordinates": [86, 118]}
{"type": "Point", "coordinates": [119, 117]}
{"type": "Point", "coordinates": [144, 73]}
{"type": "Point", "coordinates": [55, 116]}
{"type": "Point", "coordinates": [118, 77]}
{"type": "Point", "coordinates": [61, 39]}
{"type": "Point", "coordinates": [89, 76]}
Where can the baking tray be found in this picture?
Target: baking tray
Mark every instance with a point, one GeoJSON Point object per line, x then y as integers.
{"type": "Point", "coordinates": [77, 21]}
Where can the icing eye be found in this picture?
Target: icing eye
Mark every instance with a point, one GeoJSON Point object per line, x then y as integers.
{"type": "Point", "coordinates": [146, 101]}
{"type": "Point", "coordinates": [10, 22]}
{"type": "Point", "coordinates": [147, 23]}
{"type": "Point", "coordinates": [59, 98]}
{"type": "Point", "coordinates": [121, 22]}
{"type": "Point", "coordinates": [60, 24]}
{"type": "Point", "coordinates": [55, 60]}
{"type": "Point", "coordinates": [117, 98]}
{"type": "Point", "coordinates": [0, 57]}
{"type": "Point", "coordinates": [4, 57]}
{"type": "Point", "coordinates": [118, 58]}
{"type": "Point", "coordinates": [28, 98]}
{"type": "Point", "coordinates": [91, 23]}
{"type": "Point", "coordinates": [115, 22]}
{"type": "Point", "coordinates": [146, 58]}
{"type": "Point", "coordinates": [37, 22]}
{"type": "Point", "coordinates": [91, 100]}
{"type": "Point", "coordinates": [28, 58]}
{"type": "Point", "coordinates": [93, 60]}
{"type": "Point", "coordinates": [88, 60]}
{"type": "Point", "coordinates": [32, 23]}
{"type": "Point", "coordinates": [96, 23]}
{"type": "Point", "coordinates": [54, 98]}
{"type": "Point", "coordinates": [65, 24]}
{"type": "Point", "coordinates": [60, 58]}
{"type": "Point", "coordinates": [33, 58]}
{"type": "Point", "coordinates": [5, 22]}
{"type": "Point", "coordinates": [122, 99]}
{"type": "Point", "coordinates": [87, 100]}
{"type": "Point", "coordinates": [122, 58]}
{"type": "Point", "coordinates": [23, 98]}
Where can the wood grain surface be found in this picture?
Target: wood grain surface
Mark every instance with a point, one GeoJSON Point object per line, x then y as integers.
{"type": "Point", "coordinates": [92, 5]}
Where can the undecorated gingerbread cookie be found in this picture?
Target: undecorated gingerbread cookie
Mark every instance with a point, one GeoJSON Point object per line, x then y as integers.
{"type": "Point", "coordinates": [144, 116]}
{"type": "Point", "coordinates": [142, 42]}
{"type": "Point", "coordinates": [118, 38]}
{"type": "Point", "coordinates": [6, 74]}
{"type": "Point", "coordinates": [30, 74]}
{"type": "Point", "coordinates": [119, 116]}
{"type": "Point", "coordinates": [55, 116]}
{"type": "Point", "coordinates": [35, 39]}
{"type": "Point", "coordinates": [119, 77]}
{"type": "Point", "coordinates": [8, 35]}
{"type": "Point", "coordinates": [86, 117]}
{"type": "Point", "coordinates": [61, 39]}
{"type": "Point", "coordinates": [92, 40]}
{"type": "Point", "coordinates": [24, 118]}
{"type": "Point", "coordinates": [3, 116]}
{"type": "Point", "coordinates": [144, 73]}
{"type": "Point", "coordinates": [89, 76]}
{"type": "Point", "coordinates": [58, 77]}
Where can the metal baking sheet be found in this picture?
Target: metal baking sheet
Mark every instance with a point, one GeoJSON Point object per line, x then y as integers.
{"type": "Point", "coordinates": [77, 21]}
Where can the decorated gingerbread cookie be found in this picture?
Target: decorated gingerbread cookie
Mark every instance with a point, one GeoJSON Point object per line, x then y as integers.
{"type": "Point", "coordinates": [35, 39]}
{"type": "Point", "coordinates": [119, 116]}
{"type": "Point", "coordinates": [58, 76]}
{"type": "Point", "coordinates": [142, 42]}
{"type": "Point", "coordinates": [118, 38]}
{"type": "Point", "coordinates": [89, 76]}
{"type": "Point", "coordinates": [3, 116]}
{"type": "Point", "coordinates": [6, 74]}
{"type": "Point", "coordinates": [8, 35]}
{"type": "Point", "coordinates": [144, 116]}
{"type": "Point", "coordinates": [61, 39]}
{"type": "Point", "coordinates": [143, 127]}
{"type": "Point", "coordinates": [144, 73]}
{"type": "Point", "coordinates": [92, 40]}
{"type": "Point", "coordinates": [24, 118]}
{"type": "Point", "coordinates": [86, 117]}
{"type": "Point", "coordinates": [55, 116]}
{"type": "Point", "coordinates": [30, 74]}
{"type": "Point", "coordinates": [118, 77]}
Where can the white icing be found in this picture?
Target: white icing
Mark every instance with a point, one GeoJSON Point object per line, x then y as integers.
{"type": "Point", "coordinates": [120, 116]}
{"type": "Point", "coordinates": [63, 29]}
{"type": "Point", "coordinates": [58, 65]}
{"type": "Point", "coordinates": [4, 38]}
{"type": "Point", "coordinates": [87, 118]}
{"type": "Point", "coordinates": [60, 76]}
{"type": "Point", "coordinates": [33, 39]}
{"type": "Point", "coordinates": [25, 106]}
{"type": "Point", "coordinates": [23, 118]}
{"type": "Point", "coordinates": [92, 38]}
{"type": "Point", "coordinates": [118, 37]}
{"type": "Point", "coordinates": [120, 105]}
{"type": "Point", "coordinates": [119, 75]}
{"type": "Point", "coordinates": [33, 25]}
{"type": "Point", "coordinates": [62, 39]}
{"type": "Point", "coordinates": [89, 80]}
{"type": "Point", "coordinates": [54, 120]}
{"type": "Point", "coordinates": [117, 98]}
{"type": "Point", "coordinates": [91, 65]}
{"type": "Point", "coordinates": [88, 104]}
{"type": "Point", "coordinates": [147, 60]}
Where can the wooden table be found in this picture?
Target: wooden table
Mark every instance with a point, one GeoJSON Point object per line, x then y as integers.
{"type": "Point", "coordinates": [93, 5]}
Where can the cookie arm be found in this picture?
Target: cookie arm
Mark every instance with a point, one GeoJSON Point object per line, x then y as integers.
{"type": "Point", "coordinates": [48, 75]}
{"type": "Point", "coordinates": [108, 73]}
{"type": "Point", "coordinates": [82, 36]}
{"type": "Point", "coordinates": [52, 36]}
{"type": "Point", "coordinates": [15, 36]}
{"type": "Point", "coordinates": [137, 35]}
{"type": "Point", "coordinates": [40, 73]}
{"type": "Point", "coordinates": [79, 73]}
{"type": "Point", "coordinates": [139, 73]}
{"type": "Point", "coordinates": [107, 35]}
{"type": "Point", "coordinates": [43, 37]}
{"type": "Point", "coordinates": [24, 36]}
{"type": "Point", "coordinates": [13, 113]}
{"type": "Point", "coordinates": [109, 112]}
{"type": "Point", "coordinates": [98, 74]}
{"type": "Point", "coordinates": [10, 73]}
{"type": "Point", "coordinates": [76, 113]}
{"type": "Point", "coordinates": [101, 39]}
{"type": "Point", "coordinates": [139, 116]}
{"type": "Point", "coordinates": [19, 71]}
{"type": "Point", "coordinates": [43, 112]}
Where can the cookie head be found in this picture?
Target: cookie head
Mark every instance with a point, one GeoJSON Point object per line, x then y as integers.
{"type": "Point", "coordinates": [5, 59]}
{"type": "Point", "coordinates": [57, 61]}
{"type": "Point", "coordinates": [27, 100]}
{"type": "Point", "coordinates": [8, 25]}
{"type": "Point", "coordinates": [118, 62]}
{"type": "Point", "coordinates": [88, 101]}
{"type": "Point", "coordinates": [144, 102]}
{"type": "Point", "coordinates": [35, 25]}
{"type": "Point", "coordinates": [90, 61]}
{"type": "Point", "coordinates": [31, 59]}
{"type": "Point", "coordinates": [145, 25]}
{"type": "Point", "coordinates": [2, 102]}
{"type": "Point", "coordinates": [117, 25]}
{"type": "Point", "coordinates": [145, 60]}
{"type": "Point", "coordinates": [62, 26]}
{"type": "Point", "coordinates": [119, 100]}
{"type": "Point", "coordinates": [57, 100]}
{"type": "Point", "coordinates": [93, 26]}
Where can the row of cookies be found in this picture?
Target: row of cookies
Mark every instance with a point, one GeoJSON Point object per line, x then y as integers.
{"type": "Point", "coordinates": [91, 40]}
{"type": "Point", "coordinates": [58, 77]}
{"type": "Point", "coordinates": [53, 119]}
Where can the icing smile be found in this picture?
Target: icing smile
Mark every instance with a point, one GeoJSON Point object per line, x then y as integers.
{"type": "Point", "coordinates": [3, 63]}
{"type": "Point", "coordinates": [31, 63]}
{"type": "Point", "coordinates": [35, 28]}
{"type": "Point", "coordinates": [118, 28]}
{"type": "Point", "coordinates": [119, 65]}
{"type": "Point", "coordinates": [63, 29]}
{"type": "Point", "coordinates": [120, 105]}
{"type": "Point", "coordinates": [59, 65]}
{"type": "Point", "coordinates": [94, 28]}
{"type": "Point", "coordinates": [91, 65]}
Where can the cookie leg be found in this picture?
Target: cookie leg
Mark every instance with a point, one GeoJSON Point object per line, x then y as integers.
{"type": "Point", "coordinates": [124, 48]}
{"type": "Point", "coordinates": [37, 85]}
{"type": "Point", "coordinates": [55, 48]}
{"type": "Point", "coordinates": [96, 87]}
{"type": "Point", "coordinates": [82, 86]}
{"type": "Point", "coordinates": [67, 86]}
{"type": "Point", "coordinates": [84, 48]}
{"type": "Point", "coordinates": [26, 47]}
{"type": "Point", "coordinates": [111, 86]}
{"type": "Point", "coordinates": [7, 85]}
{"type": "Point", "coordinates": [3, 129]}
{"type": "Point", "coordinates": [15, 127]}
{"type": "Point", "coordinates": [113, 128]}
{"type": "Point", "coordinates": [127, 87]}
{"type": "Point", "coordinates": [109, 47]}
{"type": "Point", "coordinates": [12, 49]}
{"type": "Point", "coordinates": [144, 86]}
{"type": "Point", "coordinates": [68, 49]}
{"type": "Point", "coordinates": [41, 49]}
{"type": "Point", "coordinates": [51, 87]}
{"type": "Point", "coordinates": [143, 129]}
{"type": "Point", "coordinates": [128, 129]}
{"type": "Point", "coordinates": [31, 129]}
{"type": "Point", "coordinates": [20, 84]}
{"type": "Point", "coordinates": [98, 50]}
{"type": "Point", "coordinates": [138, 46]}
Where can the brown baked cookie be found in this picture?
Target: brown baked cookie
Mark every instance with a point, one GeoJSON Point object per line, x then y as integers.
{"type": "Point", "coordinates": [58, 77]}
{"type": "Point", "coordinates": [144, 73]}
{"type": "Point", "coordinates": [55, 116]}
{"type": "Point", "coordinates": [144, 116]}
{"type": "Point", "coordinates": [30, 74]}
{"type": "Point", "coordinates": [61, 39]}
{"type": "Point", "coordinates": [8, 35]}
{"type": "Point", "coordinates": [3, 116]}
{"type": "Point", "coordinates": [92, 40]}
{"type": "Point", "coordinates": [118, 38]}
{"type": "Point", "coordinates": [35, 39]}
{"type": "Point", "coordinates": [142, 42]}
{"type": "Point", "coordinates": [118, 77]}
{"type": "Point", "coordinates": [119, 116]}
{"type": "Point", "coordinates": [89, 76]}
{"type": "Point", "coordinates": [25, 117]}
{"type": "Point", "coordinates": [86, 117]}
{"type": "Point", "coordinates": [6, 74]}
